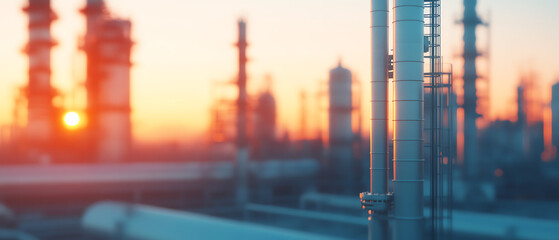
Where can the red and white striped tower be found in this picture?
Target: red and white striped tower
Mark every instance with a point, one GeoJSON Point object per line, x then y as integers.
{"type": "Point", "coordinates": [41, 116]}
{"type": "Point", "coordinates": [108, 44]}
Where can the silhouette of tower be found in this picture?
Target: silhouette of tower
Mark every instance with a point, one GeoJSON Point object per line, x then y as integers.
{"type": "Point", "coordinates": [470, 22]}
{"type": "Point", "coordinates": [242, 104]}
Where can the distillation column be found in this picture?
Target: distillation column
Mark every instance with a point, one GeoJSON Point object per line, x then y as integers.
{"type": "Point", "coordinates": [112, 48]}
{"type": "Point", "coordinates": [242, 102]}
{"type": "Point", "coordinates": [378, 223]}
{"type": "Point", "coordinates": [93, 12]}
{"type": "Point", "coordinates": [107, 44]}
{"type": "Point", "coordinates": [340, 136]}
{"type": "Point", "coordinates": [471, 158]}
{"type": "Point", "coordinates": [408, 119]}
{"type": "Point", "coordinates": [40, 121]}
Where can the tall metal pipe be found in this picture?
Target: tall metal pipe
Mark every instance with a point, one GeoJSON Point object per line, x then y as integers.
{"type": "Point", "coordinates": [408, 119]}
{"type": "Point", "coordinates": [378, 223]}
{"type": "Point", "coordinates": [242, 142]}
{"type": "Point", "coordinates": [115, 220]}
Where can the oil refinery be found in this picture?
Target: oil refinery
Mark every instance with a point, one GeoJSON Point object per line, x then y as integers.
{"type": "Point", "coordinates": [277, 120]}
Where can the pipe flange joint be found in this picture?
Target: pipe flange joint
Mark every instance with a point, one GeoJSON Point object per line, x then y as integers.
{"type": "Point", "coordinates": [376, 202]}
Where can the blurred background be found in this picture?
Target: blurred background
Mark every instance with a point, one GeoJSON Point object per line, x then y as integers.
{"type": "Point", "coordinates": [120, 119]}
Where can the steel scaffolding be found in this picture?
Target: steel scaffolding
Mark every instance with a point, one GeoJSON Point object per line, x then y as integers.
{"type": "Point", "coordinates": [440, 105]}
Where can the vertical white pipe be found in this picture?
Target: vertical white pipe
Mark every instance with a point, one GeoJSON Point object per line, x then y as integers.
{"type": "Point", "coordinates": [378, 225]}
{"type": "Point", "coordinates": [408, 119]}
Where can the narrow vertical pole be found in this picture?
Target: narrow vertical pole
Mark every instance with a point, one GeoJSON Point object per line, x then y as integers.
{"type": "Point", "coordinates": [242, 142]}
{"type": "Point", "coordinates": [378, 222]}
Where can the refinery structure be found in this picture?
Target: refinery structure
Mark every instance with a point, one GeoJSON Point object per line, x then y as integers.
{"type": "Point", "coordinates": [107, 45]}
{"type": "Point", "coordinates": [416, 175]}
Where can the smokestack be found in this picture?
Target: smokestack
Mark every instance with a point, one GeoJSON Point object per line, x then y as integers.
{"type": "Point", "coordinates": [408, 119]}
{"type": "Point", "coordinates": [242, 141]}
{"type": "Point", "coordinates": [378, 224]}
{"type": "Point", "coordinates": [41, 117]}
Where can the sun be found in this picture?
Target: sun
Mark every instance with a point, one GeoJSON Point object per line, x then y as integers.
{"type": "Point", "coordinates": [71, 119]}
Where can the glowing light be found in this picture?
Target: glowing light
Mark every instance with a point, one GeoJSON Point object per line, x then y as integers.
{"type": "Point", "coordinates": [499, 172]}
{"type": "Point", "coordinates": [71, 119]}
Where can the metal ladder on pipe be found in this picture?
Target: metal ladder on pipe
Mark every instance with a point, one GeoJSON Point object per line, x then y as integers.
{"type": "Point", "coordinates": [438, 126]}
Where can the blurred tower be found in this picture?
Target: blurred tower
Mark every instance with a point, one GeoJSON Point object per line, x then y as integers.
{"type": "Point", "coordinates": [265, 125]}
{"type": "Point", "coordinates": [108, 44]}
{"type": "Point", "coordinates": [303, 115]}
{"type": "Point", "coordinates": [520, 101]}
{"type": "Point", "coordinates": [521, 120]}
{"type": "Point", "coordinates": [555, 116]}
{"type": "Point", "coordinates": [340, 130]}
{"type": "Point", "coordinates": [41, 116]}
{"type": "Point", "coordinates": [242, 104]}
{"type": "Point", "coordinates": [471, 158]}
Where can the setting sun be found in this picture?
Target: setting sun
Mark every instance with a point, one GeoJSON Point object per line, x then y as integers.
{"type": "Point", "coordinates": [71, 119]}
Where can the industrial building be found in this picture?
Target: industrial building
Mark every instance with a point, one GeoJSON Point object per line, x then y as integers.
{"type": "Point", "coordinates": [249, 178]}
{"type": "Point", "coordinates": [107, 44]}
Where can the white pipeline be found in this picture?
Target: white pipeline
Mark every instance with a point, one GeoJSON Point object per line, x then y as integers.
{"type": "Point", "coordinates": [408, 119]}
{"type": "Point", "coordinates": [378, 224]}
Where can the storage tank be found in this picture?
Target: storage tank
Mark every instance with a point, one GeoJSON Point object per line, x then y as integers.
{"type": "Point", "coordinates": [340, 131]}
{"type": "Point", "coordinates": [264, 143]}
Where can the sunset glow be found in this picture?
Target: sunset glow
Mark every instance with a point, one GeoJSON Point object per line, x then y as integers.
{"type": "Point", "coordinates": [71, 119]}
{"type": "Point", "coordinates": [439, 118]}
{"type": "Point", "coordinates": [174, 64]}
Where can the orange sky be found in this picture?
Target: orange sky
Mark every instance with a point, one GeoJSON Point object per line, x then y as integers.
{"type": "Point", "coordinates": [182, 46]}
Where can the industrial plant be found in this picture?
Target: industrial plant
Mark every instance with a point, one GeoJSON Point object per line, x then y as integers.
{"type": "Point", "coordinates": [407, 148]}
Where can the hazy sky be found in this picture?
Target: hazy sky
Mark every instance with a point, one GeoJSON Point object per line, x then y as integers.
{"type": "Point", "coordinates": [182, 46]}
